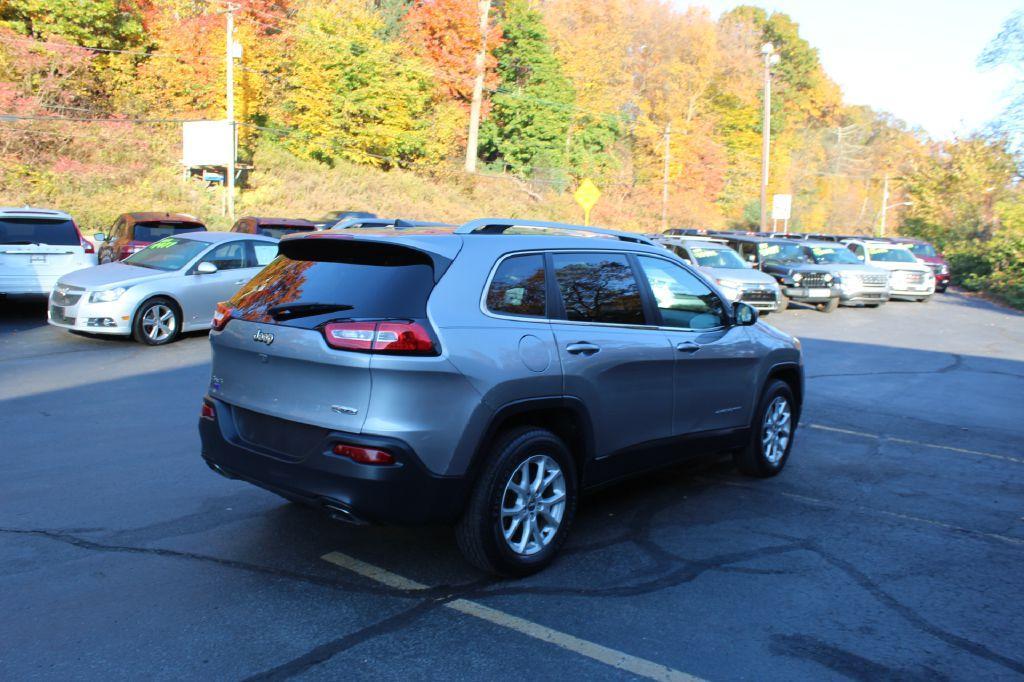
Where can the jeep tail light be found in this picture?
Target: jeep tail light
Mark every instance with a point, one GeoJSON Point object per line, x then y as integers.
{"type": "Point", "coordinates": [87, 245]}
{"type": "Point", "coordinates": [396, 338]}
{"type": "Point", "coordinates": [363, 455]}
{"type": "Point", "coordinates": [208, 411]}
{"type": "Point", "coordinates": [221, 317]}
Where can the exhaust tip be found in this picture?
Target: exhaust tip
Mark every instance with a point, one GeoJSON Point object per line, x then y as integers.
{"type": "Point", "coordinates": [341, 513]}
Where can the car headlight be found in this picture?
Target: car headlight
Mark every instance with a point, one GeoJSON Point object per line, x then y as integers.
{"type": "Point", "coordinates": [797, 277]}
{"type": "Point", "coordinates": [107, 295]}
{"type": "Point", "coordinates": [730, 287]}
{"type": "Point", "coordinates": [829, 278]}
{"type": "Point", "coordinates": [943, 269]}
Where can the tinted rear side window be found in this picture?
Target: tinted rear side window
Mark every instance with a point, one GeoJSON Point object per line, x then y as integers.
{"type": "Point", "coordinates": [152, 231]}
{"type": "Point", "coordinates": [518, 287]}
{"type": "Point", "coordinates": [319, 281]}
{"type": "Point", "coordinates": [36, 231]}
{"type": "Point", "coordinates": [598, 287]}
{"type": "Point", "coordinates": [278, 231]}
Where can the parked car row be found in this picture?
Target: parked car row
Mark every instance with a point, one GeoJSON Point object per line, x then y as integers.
{"type": "Point", "coordinates": [768, 271]}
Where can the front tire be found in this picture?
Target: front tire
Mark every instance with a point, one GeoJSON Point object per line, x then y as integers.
{"type": "Point", "coordinates": [783, 303]}
{"type": "Point", "coordinates": [771, 437]}
{"type": "Point", "coordinates": [522, 507]}
{"type": "Point", "coordinates": [157, 322]}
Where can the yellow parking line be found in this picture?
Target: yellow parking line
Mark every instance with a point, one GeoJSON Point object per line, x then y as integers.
{"type": "Point", "coordinates": [905, 441]}
{"type": "Point", "coordinates": [611, 657]}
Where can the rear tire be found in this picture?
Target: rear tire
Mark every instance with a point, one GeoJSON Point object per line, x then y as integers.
{"type": "Point", "coordinates": [507, 510]}
{"type": "Point", "coordinates": [765, 456]}
{"type": "Point", "coordinates": [157, 322]}
{"type": "Point", "coordinates": [783, 303]}
{"type": "Point", "coordinates": [832, 304]}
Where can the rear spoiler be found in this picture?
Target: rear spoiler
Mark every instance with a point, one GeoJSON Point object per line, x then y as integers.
{"type": "Point", "coordinates": [335, 248]}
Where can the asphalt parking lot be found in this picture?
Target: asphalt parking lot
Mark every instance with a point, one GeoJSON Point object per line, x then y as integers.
{"type": "Point", "coordinates": [890, 547]}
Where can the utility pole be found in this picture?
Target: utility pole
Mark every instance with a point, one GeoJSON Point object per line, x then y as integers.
{"type": "Point", "coordinates": [664, 178]}
{"type": "Point", "coordinates": [885, 204]}
{"type": "Point", "coordinates": [770, 59]}
{"type": "Point", "coordinates": [229, 43]}
{"type": "Point", "coordinates": [478, 89]}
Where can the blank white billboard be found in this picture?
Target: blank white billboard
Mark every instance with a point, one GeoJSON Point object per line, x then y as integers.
{"type": "Point", "coordinates": [206, 143]}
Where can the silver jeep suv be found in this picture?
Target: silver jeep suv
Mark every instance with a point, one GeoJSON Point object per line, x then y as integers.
{"type": "Point", "coordinates": [485, 376]}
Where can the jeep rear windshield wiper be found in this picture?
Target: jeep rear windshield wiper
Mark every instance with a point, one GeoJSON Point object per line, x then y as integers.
{"type": "Point", "coordinates": [295, 310]}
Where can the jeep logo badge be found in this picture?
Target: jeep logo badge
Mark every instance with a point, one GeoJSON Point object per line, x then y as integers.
{"type": "Point", "coordinates": [263, 337]}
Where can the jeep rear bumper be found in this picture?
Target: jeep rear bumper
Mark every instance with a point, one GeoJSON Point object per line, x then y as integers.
{"type": "Point", "coordinates": [401, 493]}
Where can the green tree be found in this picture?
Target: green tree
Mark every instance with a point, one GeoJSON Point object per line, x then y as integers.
{"type": "Point", "coordinates": [534, 103]}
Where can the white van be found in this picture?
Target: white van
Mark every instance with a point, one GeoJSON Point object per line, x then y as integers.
{"type": "Point", "coordinates": [37, 247]}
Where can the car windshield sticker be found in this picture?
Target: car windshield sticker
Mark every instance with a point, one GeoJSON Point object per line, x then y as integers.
{"type": "Point", "coordinates": [878, 250]}
{"type": "Point", "coordinates": [769, 249]}
{"type": "Point", "coordinates": [822, 250]}
{"type": "Point", "coordinates": [699, 252]}
{"type": "Point", "coordinates": [165, 243]}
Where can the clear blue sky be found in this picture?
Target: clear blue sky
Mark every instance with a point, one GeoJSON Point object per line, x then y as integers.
{"type": "Point", "coordinates": [914, 58]}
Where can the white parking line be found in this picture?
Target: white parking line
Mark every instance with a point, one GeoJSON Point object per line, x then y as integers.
{"type": "Point", "coordinates": [616, 659]}
{"type": "Point", "coordinates": [905, 441]}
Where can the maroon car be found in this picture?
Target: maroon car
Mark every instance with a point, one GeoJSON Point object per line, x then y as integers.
{"type": "Point", "coordinates": [133, 232]}
{"type": "Point", "coordinates": [272, 227]}
{"type": "Point", "coordinates": [924, 251]}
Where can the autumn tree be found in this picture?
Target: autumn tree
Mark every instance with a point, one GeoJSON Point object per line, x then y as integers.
{"type": "Point", "coordinates": [352, 95]}
{"type": "Point", "coordinates": [446, 34]}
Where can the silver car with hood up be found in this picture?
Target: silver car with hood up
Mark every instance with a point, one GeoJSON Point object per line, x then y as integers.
{"type": "Point", "coordinates": [737, 280]}
{"type": "Point", "coordinates": [171, 286]}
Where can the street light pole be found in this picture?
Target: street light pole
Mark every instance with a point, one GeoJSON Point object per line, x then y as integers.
{"type": "Point", "coordinates": [664, 178]}
{"type": "Point", "coordinates": [770, 59]}
{"type": "Point", "coordinates": [885, 205]}
{"type": "Point", "coordinates": [229, 42]}
{"type": "Point", "coordinates": [478, 90]}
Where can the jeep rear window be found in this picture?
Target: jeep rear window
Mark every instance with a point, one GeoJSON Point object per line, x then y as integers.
{"type": "Point", "coordinates": [38, 231]}
{"type": "Point", "coordinates": [320, 280]}
{"type": "Point", "coordinates": [152, 231]}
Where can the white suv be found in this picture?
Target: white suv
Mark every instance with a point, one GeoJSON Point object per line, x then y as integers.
{"type": "Point", "coordinates": [37, 247]}
{"type": "Point", "coordinates": [909, 278]}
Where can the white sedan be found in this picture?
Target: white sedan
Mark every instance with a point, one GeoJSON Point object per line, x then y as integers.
{"type": "Point", "coordinates": [171, 286]}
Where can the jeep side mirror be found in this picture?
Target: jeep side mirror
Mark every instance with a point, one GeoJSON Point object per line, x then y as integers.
{"type": "Point", "coordinates": [745, 314]}
{"type": "Point", "coordinates": [206, 268]}
{"type": "Point", "coordinates": [752, 258]}
{"type": "Point", "coordinates": [100, 237]}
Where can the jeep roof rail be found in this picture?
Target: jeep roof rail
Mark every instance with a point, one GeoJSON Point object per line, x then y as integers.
{"type": "Point", "coordinates": [500, 225]}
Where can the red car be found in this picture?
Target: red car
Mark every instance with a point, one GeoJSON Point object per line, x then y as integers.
{"type": "Point", "coordinates": [272, 227]}
{"type": "Point", "coordinates": [924, 251]}
{"type": "Point", "coordinates": [133, 232]}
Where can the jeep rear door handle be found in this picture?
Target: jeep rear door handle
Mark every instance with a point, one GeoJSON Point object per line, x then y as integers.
{"type": "Point", "coordinates": [687, 347]}
{"type": "Point", "coordinates": [582, 348]}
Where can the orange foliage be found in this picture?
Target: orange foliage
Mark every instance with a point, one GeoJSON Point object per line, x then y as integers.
{"type": "Point", "coordinates": [446, 33]}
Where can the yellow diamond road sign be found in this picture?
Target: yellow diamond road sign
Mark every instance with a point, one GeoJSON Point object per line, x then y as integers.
{"type": "Point", "coordinates": [587, 194]}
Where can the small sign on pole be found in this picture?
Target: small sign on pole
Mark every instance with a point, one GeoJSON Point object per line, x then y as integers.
{"type": "Point", "coordinates": [782, 207]}
{"type": "Point", "coordinates": [586, 196]}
